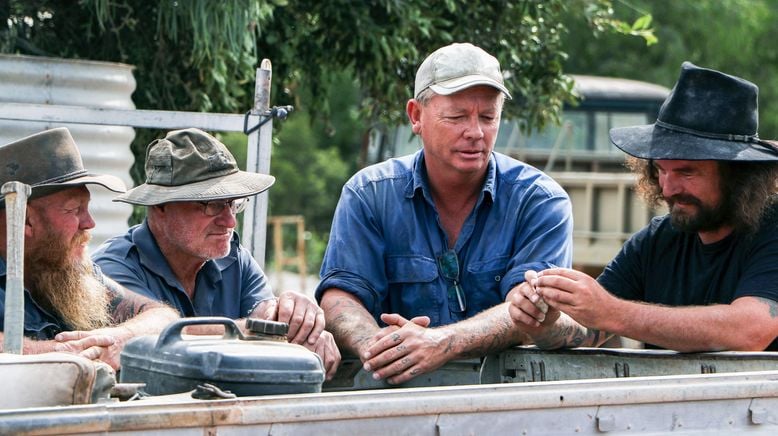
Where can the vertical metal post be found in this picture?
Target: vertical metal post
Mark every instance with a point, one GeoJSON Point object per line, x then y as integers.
{"type": "Point", "coordinates": [16, 194]}
{"type": "Point", "coordinates": [258, 160]}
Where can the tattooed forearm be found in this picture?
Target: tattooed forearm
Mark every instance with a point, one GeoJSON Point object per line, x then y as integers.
{"type": "Point", "coordinates": [567, 333]}
{"type": "Point", "coordinates": [488, 332]}
{"type": "Point", "coordinates": [124, 305]}
{"type": "Point", "coordinates": [349, 322]}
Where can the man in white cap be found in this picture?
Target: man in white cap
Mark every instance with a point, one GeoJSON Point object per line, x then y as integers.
{"type": "Point", "coordinates": [186, 252]}
{"type": "Point", "coordinates": [424, 249]}
{"type": "Point", "coordinates": [69, 304]}
{"type": "Point", "coordinates": [703, 277]}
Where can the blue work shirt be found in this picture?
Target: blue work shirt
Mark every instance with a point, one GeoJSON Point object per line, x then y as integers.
{"type": "Point", "coordinates": [386, 238]}
{"type": "Point", "coordinates": [230, 286]}
{"type": "Point", "coordinates": [39, 324]}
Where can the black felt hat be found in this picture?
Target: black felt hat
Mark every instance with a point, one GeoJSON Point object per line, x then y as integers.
{"type": "Point", "coordinates": [708, 115]}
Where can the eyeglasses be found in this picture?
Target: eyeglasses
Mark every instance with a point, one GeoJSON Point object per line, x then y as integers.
{"type": "Point", "coordinates": [215, 207]}
{"type": "Point", "coordinates": [449, 269]}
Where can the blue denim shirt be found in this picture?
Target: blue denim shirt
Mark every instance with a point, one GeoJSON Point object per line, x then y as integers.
{"type": "Point", "coordinates": [230, 286]}
{"type": "Point", "coordinates": [386, 237]}
{"type": "Point", "coordinates": [39, 324]}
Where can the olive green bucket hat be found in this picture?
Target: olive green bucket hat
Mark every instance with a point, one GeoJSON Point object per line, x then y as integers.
{"type": "Point", "coordinates": [49, 161]}
{"type": "Point", "coordinates": [191, 165]}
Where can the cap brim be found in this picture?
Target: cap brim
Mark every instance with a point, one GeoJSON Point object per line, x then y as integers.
{"type": "Point", "coordinates": [448, 87]}
{"type": "Point", "coordinates": [655, 142]}
{"type": "Point", "coordinates": [235, 185]}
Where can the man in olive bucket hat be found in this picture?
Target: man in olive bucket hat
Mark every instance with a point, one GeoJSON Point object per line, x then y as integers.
{"type": "Point", "coordinates": [69, 305]}
{"type": "Point", "coordinates": [186, 252]}
{"type": "Point", "coordinates": [705, 276]}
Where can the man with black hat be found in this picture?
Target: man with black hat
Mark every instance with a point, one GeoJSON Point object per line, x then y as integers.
{"type": "Point", "coordinates": [69, 304]}
{"type": "Point", "coordinates": [705, 276]}
{"type": "Point", "coordinates": [186, 252]}
{"type": "Point", "coordinates": [441, 237]}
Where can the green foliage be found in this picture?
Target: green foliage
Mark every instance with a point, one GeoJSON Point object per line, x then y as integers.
{"type": "Point", "coordinates": [191, 55]}
{"type": "Point", "coordinates": [734, 36]}
{"type": "Point", "coordinates": [344, 65]}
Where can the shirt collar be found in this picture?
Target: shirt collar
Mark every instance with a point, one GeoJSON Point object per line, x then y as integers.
{"type": "Point", "coordinates": [419, 178]}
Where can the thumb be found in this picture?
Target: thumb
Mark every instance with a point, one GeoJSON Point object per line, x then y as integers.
{"type": "Point", "coordinates": [423, 321]}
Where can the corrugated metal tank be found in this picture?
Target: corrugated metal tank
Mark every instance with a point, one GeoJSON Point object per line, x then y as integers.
{"type": "Point", "coordinates": [105, 149]}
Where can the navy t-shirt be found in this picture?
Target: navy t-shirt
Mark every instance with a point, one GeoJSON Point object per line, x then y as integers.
{"type": "Point", "coordinates": [662, 265]}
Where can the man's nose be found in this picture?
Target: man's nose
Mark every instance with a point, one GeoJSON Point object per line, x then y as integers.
{"type": "Point", "coordinates": [670, 186]}
{"type": "Point", "coordinates": [226, 218]}
{"type": "Point", "coordinates": [86, 222]}
{"type": "Point", "coordinates": [474, 130]}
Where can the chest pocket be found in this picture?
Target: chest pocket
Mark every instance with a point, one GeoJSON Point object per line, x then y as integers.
{"type": "Point", "coordinates": [410, 269]}
{"type": "Point", "coordinates": [486, 276]}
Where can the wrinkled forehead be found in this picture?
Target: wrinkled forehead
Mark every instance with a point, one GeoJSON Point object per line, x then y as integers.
{"type": "Point", "coordinates": [58, 196]}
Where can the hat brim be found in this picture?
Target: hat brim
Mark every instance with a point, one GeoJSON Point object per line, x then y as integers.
{"type": "Point", "coordinates": [235, 185]}
{"type": "Point", "coordinates": [655, 142]}
{"type": "Point", "coordinates": [448, 87]}
{"type": "Point", "coordinates": [107, 181]}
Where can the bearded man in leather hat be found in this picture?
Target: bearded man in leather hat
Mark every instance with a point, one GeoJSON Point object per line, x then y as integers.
{"type": "Point", "coordinates": [69, 305]}
{"type": "Point", "coordinates": [705, 276]}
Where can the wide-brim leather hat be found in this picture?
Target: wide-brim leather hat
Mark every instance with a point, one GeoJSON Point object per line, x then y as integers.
{"type": "Point", "coordinates": [708, 115]}
{"type": "Point", "coordinates": [191, 165]}
{"type": "Point", "coordinates": [49, 161]}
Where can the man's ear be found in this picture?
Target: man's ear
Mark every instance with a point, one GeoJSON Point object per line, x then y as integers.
{"type": "Point", "coordinates": [31, 220]}
{"type": "Point", "coordinates": [413, 109]}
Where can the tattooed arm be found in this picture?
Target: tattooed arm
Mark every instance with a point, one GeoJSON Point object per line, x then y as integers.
{"type": "Point", "coordinates": [349, 322]}
{"type": "Point", "coordinates": [132, 314]}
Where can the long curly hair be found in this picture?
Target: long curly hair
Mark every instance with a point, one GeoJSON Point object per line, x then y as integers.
{"type": "Point", "coordinates": [749, 188]}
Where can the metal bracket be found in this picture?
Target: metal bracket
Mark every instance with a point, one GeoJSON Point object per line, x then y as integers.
{"type": "Point", "coordinates": [280, 112]}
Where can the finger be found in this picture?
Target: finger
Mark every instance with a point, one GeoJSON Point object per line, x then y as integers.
{"type": "Point", "coordinates": [562, 272]}
{"type": "Point", "coordinates": [383, 340]}
{"type": "Point", "coordinates": [555, 297]}
{"type": "Point", "coordinates": [318, 326]}
{"type": "Point", "coordinates": [382, 333]}
{"type": "Point", "coordinates": [395, 369]}
{"type": "Point", "coordinates": [521, 317]}
{"type": "Point", "coordinates": [92, 353]}
{"type": "Point", "coordinates": [384, 350]}
{"type": "Point", "coordinates": [96, 341]}
{"type": "Point", "coordinates": [268, 309]}
{"type": "Point", "coordinates": [423, 321]}
{"type": "Point", "coordinates": [408, 374]}
{"type": "Point", "coordinates": [286, 307]}
{"type": "Point", "coordinates": [389, 363]}
{"type": "Point", "coordinates": [70, 336]}
{"type": "Point", "coordinates": [399, 320]}
{"type": "Point", "coordinates": [301, 324]}
{"type": "Point", "coordinates": [330, 358]}
{"type": "Point", "coordinates": [393, 319]}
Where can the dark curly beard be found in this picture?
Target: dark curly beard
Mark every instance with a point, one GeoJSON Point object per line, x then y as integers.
{"type": "Point", "coordinates": [705, 219]}
{"type": "Point", "coordinates": [66, 288]}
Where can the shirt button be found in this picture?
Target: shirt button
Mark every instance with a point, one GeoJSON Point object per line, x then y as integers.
{"type": "Point", "coordinates": [497, 278]}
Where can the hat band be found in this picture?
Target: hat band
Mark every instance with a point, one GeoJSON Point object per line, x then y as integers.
{"type": "Point", "coordinates": [62, 178]}
{"type": "Point", "coordinates": [753, 139]}
{"type": "Point", "coordinates": [725, 136]}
